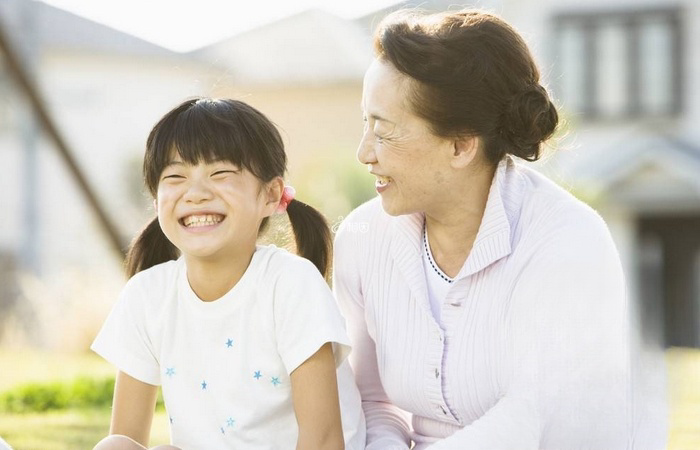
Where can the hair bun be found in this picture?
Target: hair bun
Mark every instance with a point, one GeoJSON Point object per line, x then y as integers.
{"type": "Point", "coordinates": [529, 119]}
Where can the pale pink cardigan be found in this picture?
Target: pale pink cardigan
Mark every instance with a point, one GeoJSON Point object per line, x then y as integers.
{"type": "Point", "coordinates": [534, 351]}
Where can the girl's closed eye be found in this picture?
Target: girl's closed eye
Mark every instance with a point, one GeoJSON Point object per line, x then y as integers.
{"type": "Point", "coordinates": [172, 176]}
{"type": "Point", "coordinates": [224, 172]}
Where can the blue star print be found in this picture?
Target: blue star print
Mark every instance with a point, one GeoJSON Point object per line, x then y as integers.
{"type": "Point", "coordinates": [204, 385]}
{"type": "Point", "coordinates": [275, 381]}
{"type": "Point", "coordinates": [170, 371]}
{"type": "Point", "coordinates": [257, 375]}
{"type": "Point", "coordinates": [230, 422]}
{"type": "Point", "coordinates": [229, 343]}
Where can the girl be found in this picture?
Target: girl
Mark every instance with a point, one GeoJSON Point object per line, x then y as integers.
{"type": "Point", "coordinates": [244, 340]}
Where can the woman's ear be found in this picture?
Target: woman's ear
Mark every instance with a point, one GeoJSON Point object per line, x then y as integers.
{"type": "Point", "coordinates": [466, 150]}
{"type": "Point", "coordinates": [155, 205]}
{"type": "Point", "coordinates": [273, 190]}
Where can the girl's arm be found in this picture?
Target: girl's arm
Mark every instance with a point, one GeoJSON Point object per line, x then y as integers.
{"type": "Point", "coordinates": [132, 408]}
{"type": "Point", "coordinates": [316, 405]}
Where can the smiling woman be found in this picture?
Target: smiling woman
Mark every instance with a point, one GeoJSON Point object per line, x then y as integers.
{"type": "Point", "coordinates": [486, 305]}
{"type": "Point", "coordinates": [246, 341]}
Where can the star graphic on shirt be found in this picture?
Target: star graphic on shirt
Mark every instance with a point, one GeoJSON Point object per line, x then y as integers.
{"type": "Point", "coordinates": [275, 381]}
{"type": "Point", "coordinates": [204, 385]}
{"type": "Point", "coordinates": [230, 422]}
{"type": "Point", "coordinates": [170, 371]}
{"type": "Point", "coordinates": [229, 343]}
{"type": "Point", "coordinates": [257, 375]}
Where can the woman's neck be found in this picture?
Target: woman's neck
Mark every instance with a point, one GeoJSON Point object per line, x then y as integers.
{"type": "Point", "coordinates": [211, 278]}
{"type": "Point", "coordinates": [452, 230]}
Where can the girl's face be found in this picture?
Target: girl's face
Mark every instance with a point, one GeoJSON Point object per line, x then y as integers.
{"type": "Point", "coordinates": [410, 162]}
{"type": "Point", "coordinates": [212, 211]}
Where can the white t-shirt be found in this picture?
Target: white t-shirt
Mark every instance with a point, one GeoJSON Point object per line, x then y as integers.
{"type": "Point", "coordinates": [224, 366]}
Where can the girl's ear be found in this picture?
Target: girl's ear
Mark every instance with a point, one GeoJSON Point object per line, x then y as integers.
{"type": "Point", "coordinates": [466, 150]}
{"type": "Point", "coordinates": [155, 205]}
{"type": "Point", "coordinates": [273, 193]}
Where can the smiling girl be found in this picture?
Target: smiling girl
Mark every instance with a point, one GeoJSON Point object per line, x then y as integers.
{"type": "Point", "coordinates": [246, 341]}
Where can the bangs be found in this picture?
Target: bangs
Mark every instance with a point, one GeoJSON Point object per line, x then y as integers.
{"type": "Point", "coordinates": [198, 138]}
{"type": "Point", "coordinates": [207, 130]}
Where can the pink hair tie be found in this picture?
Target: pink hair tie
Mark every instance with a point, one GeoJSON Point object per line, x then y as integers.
{"type": "Point", "coordinates": [287, 197]}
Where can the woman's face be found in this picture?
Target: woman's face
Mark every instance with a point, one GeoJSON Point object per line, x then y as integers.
{"type": "Point", "coordinates": [410, 162]}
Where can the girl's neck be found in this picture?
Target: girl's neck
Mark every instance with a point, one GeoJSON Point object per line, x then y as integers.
{"type": "Point", "coordinates": [211, 278]}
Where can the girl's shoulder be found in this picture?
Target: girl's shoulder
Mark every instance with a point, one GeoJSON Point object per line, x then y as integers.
{"type": "Point", "coordinates": [154, 281]}
{"type": "Point", "coordinates": [272, 262]}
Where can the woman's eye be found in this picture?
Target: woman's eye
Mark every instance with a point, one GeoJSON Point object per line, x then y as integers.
{"type": "Point", "coordinates": [172, 176]}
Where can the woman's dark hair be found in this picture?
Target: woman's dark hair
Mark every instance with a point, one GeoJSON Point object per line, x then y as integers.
{"type": "Point", "coordinates": [472, 75]}
{"type": "Point", "coordinates": [207, 130]}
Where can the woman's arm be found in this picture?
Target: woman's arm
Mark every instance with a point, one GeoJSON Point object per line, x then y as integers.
{"type": "Point", "coordinates": [387, 425]}
{"type": "Point", "coordinates": [132, 408]}
{"type": "Point", "coordinates": [316, 405]}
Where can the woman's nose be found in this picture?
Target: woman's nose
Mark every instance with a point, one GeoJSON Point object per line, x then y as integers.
{"type": "Point", "coordinates": [365, 151]}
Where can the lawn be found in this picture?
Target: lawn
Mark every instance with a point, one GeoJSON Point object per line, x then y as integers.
{"type": "Point", "coordinates": [59, 430]}
{"type": "Point", "coordinates": [81, 429]}
{"type": "Point", "coordinates": [67, 430]}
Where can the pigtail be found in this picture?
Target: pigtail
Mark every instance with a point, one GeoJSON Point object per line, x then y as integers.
{"type": "Point", "coordinates": [151, 247]}
{"type": "Point", "coordinates": [311, 233]}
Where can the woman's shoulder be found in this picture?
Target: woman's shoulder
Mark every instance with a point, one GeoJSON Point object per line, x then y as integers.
{"type": "Point", "coordinates": [363, 224]}
{"type": "Point", "coordinates": [549, 209]}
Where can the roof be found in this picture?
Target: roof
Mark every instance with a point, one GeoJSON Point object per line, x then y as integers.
{"type": "Point", "coordinates": [370, 21]}
{"type": "Point", "coordinates": [53, 28]}
{"type": "Point", "coordinates": [313, 46]}
{"type": "Point", "coordinates": [647, 172]}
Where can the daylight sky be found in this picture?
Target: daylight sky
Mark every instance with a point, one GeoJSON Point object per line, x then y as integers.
{"type": "Point", "coordinates": [186, 25]}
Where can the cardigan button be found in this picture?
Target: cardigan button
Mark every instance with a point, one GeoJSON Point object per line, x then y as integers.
{"type": "Point", "coordinates": [437, 373]}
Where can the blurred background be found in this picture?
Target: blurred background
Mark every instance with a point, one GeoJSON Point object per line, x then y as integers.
{"type": "Point", "coordinates": [82, 83]}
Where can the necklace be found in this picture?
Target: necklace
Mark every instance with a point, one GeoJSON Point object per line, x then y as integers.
{"type": "Point", "coordinates": [430, 258]}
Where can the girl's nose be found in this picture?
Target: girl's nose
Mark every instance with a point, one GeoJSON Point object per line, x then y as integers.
{"type": "Point", "coordinates": [198, 191]}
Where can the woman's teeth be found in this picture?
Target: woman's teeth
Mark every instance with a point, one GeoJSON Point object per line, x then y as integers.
{"type": "Point", "coordinates": [383, 181]}
{"type": "Point", "coordinates": [202, 221]}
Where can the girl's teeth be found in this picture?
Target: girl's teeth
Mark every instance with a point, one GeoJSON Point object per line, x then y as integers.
{"type": "Point", "coordinates": [202, 221]}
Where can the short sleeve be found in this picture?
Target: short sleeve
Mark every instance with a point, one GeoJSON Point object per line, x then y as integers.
{"type": "Point", "coordinates": [123, 339]}
{"type": "Point", "coordinates": [306, 316]}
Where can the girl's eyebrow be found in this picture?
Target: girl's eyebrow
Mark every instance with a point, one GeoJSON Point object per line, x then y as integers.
{"type": "Point", "coordinates": [174, 162]}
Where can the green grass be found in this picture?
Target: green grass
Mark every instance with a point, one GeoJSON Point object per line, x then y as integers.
{"type": "Point", "coordinates": [25, 366]}
{"type": "Point", "coordinates": [77, 429]}
{"type": "Point", "coordinates": [67, 430]}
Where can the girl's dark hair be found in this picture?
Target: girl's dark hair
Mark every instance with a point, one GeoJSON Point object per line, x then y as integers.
{"type": "Point", "coordinates": [207, 130]}
{"type": "Point", "coordinates": [472, 75]}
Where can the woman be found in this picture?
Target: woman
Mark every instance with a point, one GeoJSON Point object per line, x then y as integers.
{"type": "Point", "coordinates": [484, 303]}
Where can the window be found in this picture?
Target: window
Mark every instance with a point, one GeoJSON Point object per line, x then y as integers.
{"type": "Point", "coordinates": [620, 64]}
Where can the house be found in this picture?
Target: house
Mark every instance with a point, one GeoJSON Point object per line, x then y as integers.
{"type": "Point", "coordinates": [104, 90]}
{"type": "Point", "coordinates": [622, 74]}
